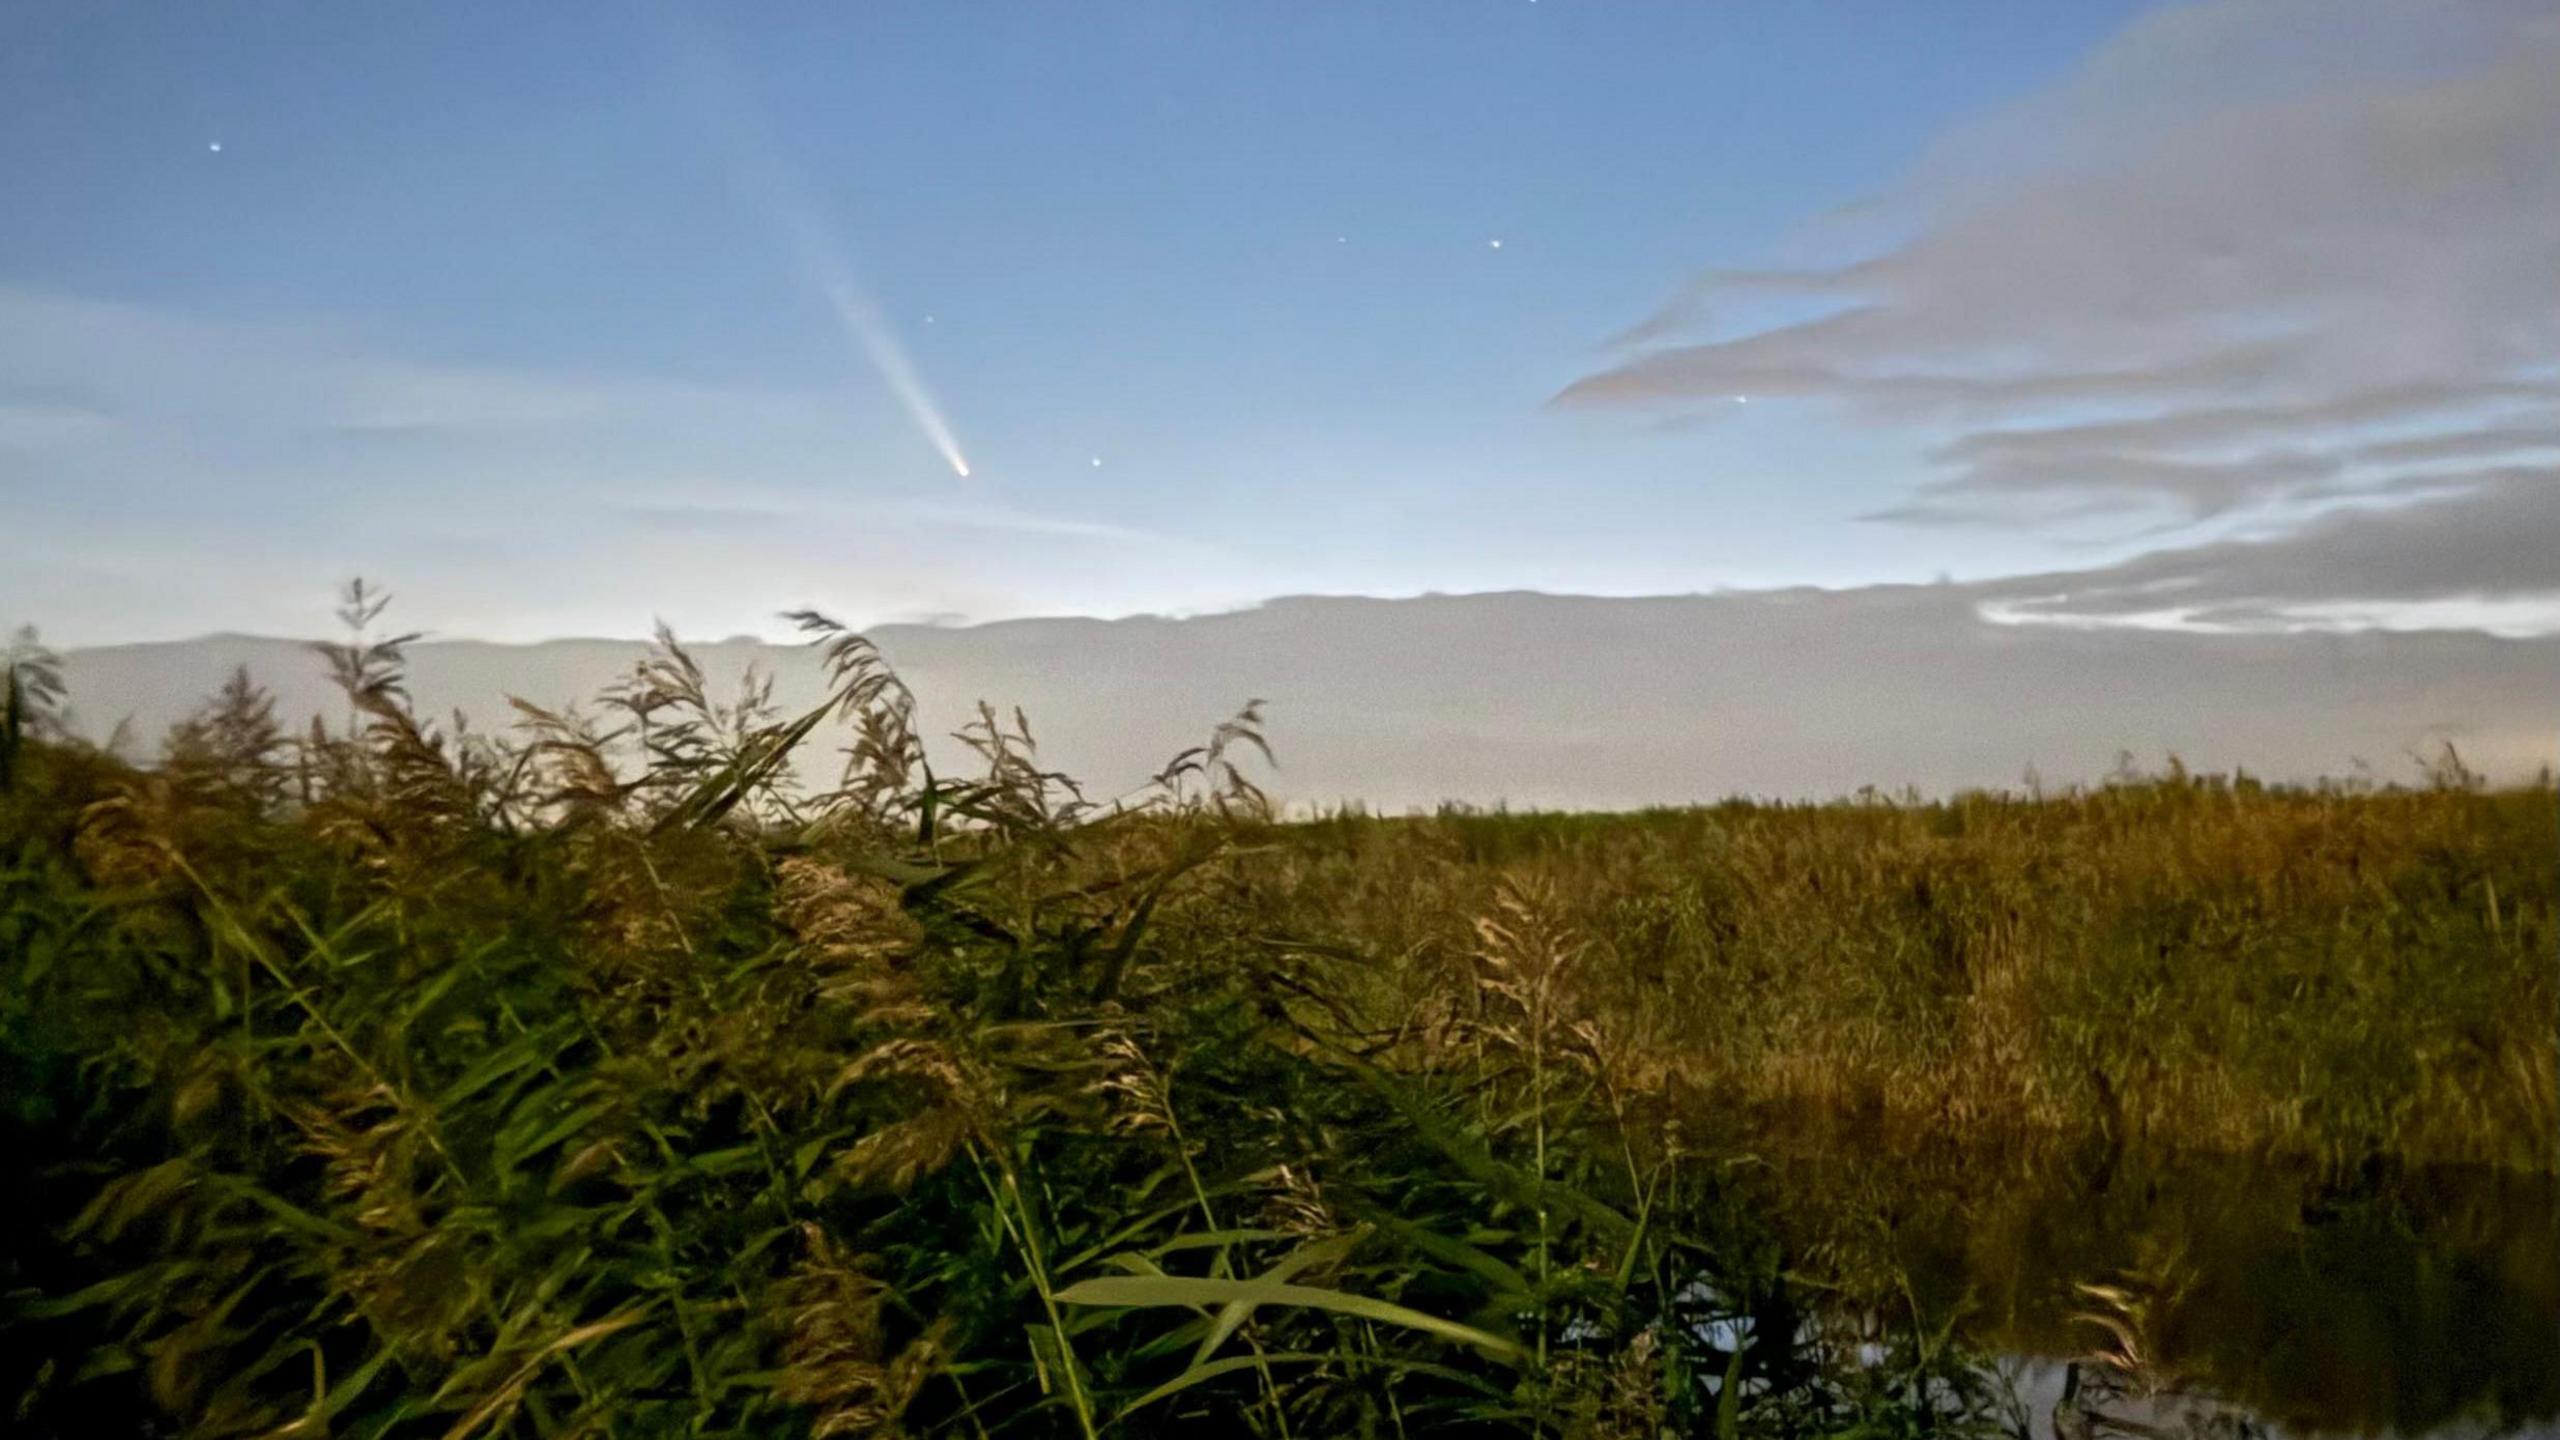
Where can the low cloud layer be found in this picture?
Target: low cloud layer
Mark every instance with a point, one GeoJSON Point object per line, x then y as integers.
{"type": "Point", "coordinates": [2253, 262]}
{"type": "Point", "coordinates": [1577, 702]}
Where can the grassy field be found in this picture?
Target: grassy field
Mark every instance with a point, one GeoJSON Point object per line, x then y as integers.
{"type": "Point", "coordinates": [2340, 976]}
{"type": "Point", "coordinates": [590, 1079]}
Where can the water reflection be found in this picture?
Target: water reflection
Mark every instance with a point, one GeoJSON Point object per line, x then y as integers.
{"type": "Point", "coordinates": [2202, 1296]}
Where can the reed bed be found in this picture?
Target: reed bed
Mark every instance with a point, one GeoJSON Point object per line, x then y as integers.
{"type": "Point", "coordinates": [594, 1077]}
{"type": "Point", "coordinates": [2345, 976]}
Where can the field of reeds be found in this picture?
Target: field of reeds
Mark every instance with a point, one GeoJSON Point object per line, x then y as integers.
{"type": "Point", "coordinates": [2339, 977]}
{"type": "Point", "coordinates": [590, 1076]}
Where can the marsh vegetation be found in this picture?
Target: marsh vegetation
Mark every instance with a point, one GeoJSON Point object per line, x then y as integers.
{"type": "Point", "coordinates": [594, 1076]}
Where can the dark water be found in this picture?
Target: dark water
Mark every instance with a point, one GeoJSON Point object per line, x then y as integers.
{"type": "Point", "coordinates": [2204, 1295]}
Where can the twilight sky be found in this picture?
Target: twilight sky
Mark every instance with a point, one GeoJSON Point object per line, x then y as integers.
{"type": "Point", "coordinates": [556, 318]}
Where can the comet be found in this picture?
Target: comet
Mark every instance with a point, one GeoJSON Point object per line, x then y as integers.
{"type": "Point", "coordinates": [831, 275]}
{"type": "Point", "coordinates": [824, 260]}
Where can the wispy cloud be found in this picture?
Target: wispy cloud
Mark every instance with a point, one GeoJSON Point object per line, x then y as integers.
{"type": "Point", "coordinates": [2249, 259]}
{"type": "Point", "coordinates": [150, 368]}
{"type": "Point", "coordinates": [734, 507]}
{"type": "Point", "coordinates": [2482, 537]}
{"type": "Point", "coordinates": [36, 424]}
{"type": "Point", "coordinates": [168, 469]}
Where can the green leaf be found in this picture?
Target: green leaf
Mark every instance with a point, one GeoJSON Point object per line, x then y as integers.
{"type": "Point", "coordinates": [558, 1131]}
{"type": "Point", "coordinates": [733, 782]}
{"type": "Point", "coordinates": [1219, 1239]}
{"type": "Point", "coordinates": [1199, 1374]}
{"type": "Point", "coordinates": [1484, 1264]}
{"type": "Point", "coordinates": [1233, 1363]}
{"type": "Point", "coordinates": [1297, 1262]}
{"type": "Point", "coordinates": [1145, 1291]}
{"type": "Point", "coordinates": [527, 1050]}
{"type": "Point", "coordinates": [1729, 1397]}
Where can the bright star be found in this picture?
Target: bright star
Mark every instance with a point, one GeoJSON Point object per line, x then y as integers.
{"type": "Point", "coordinates": [215, 147]}
{"type": "Point", "coordinates": [1097, 462]}
{"type": "Point", "coordinates": [1496, 244]}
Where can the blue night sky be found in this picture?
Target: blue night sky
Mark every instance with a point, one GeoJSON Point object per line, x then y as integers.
{"type": "Point", "coordinates": [558, 317]}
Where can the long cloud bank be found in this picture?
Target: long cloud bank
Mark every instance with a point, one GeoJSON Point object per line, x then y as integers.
{"type": "Point", "coordinates": [1571, 702]}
